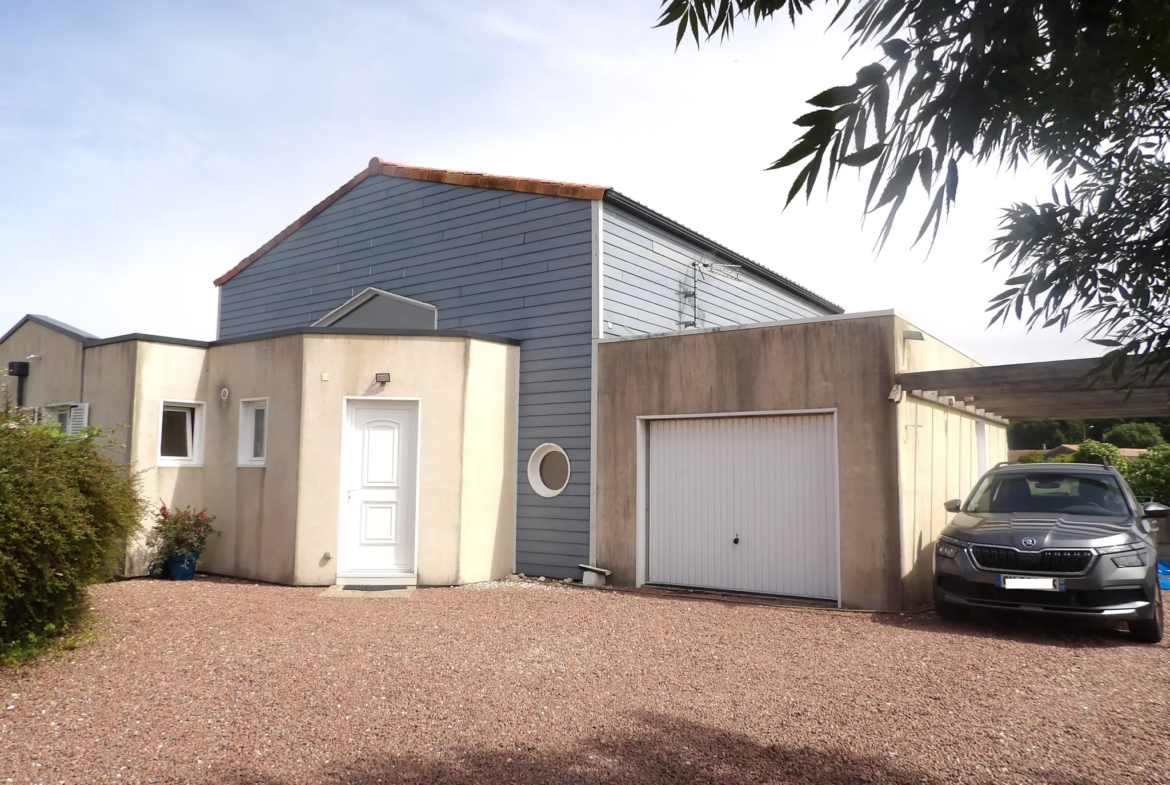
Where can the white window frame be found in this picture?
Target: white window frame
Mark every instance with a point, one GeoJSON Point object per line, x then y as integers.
{"type": "Point", "coordinates": [197, 433]}
{"type": "Point", "coordinates": [247, 429]}
{"type": "Point", "coordinates": [76, 416]}
{"type": "Point", "coordinates": [534, 478]}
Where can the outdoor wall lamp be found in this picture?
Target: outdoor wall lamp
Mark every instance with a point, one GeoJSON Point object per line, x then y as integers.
{"type": "Point", "coordinates": [381, 378]}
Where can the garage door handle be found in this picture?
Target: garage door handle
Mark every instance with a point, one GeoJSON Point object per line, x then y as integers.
{"type": "Point", "coordinates": [736, 540]}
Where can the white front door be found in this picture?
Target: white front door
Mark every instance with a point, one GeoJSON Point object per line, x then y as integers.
{"type": "Point", "coordinates": [379, 465]}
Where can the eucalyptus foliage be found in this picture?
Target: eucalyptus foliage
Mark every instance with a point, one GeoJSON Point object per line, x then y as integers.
{"type": "Point", "coordinates": [1081, 86]}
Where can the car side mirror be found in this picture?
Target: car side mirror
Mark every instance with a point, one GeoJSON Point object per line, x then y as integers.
{"type": "Point", "coordinates": [1155, 510]}
{"type": "Point", "coordinates": [954, 505]}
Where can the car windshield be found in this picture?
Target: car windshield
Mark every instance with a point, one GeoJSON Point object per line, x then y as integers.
{"type": "Point", "coordinates": [1051, 492]}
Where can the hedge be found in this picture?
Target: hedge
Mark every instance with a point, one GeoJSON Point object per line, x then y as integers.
{"type": "Point", "coordinates": [66, 512]}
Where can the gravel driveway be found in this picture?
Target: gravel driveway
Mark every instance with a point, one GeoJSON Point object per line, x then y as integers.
{"type": "Point", "coordinates": [219, 681]}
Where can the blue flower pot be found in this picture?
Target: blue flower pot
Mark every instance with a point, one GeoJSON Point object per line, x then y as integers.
{"type": "Point", "coordinates": [182, 568]}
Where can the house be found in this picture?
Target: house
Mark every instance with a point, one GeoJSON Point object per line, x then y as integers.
{"type": "Point", "coordinates": [253, 430]}
{"type": "Point", "coordinates": [585, 381]}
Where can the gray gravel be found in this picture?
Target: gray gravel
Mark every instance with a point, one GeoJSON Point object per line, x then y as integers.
{"type": "Point", "coordinates": [219, 681]}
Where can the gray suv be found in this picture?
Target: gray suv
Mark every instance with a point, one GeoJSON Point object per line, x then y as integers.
{"type": "Point", "coordinates": [1065, 539]}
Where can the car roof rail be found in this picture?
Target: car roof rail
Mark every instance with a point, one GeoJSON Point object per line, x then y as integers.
{"type": "Point", "coordinates": [1002, 463]}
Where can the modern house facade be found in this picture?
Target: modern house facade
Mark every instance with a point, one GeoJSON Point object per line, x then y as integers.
{"type": "Point", "coordinates": [438, 377]}
{"type": "Point", "coordinates": [320, 465]}
{"type": "Point", "coordinates": [554, 266]}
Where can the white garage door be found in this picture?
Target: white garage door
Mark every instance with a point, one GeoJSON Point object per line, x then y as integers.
{"type": "Point", "coordinates": [744, 504]}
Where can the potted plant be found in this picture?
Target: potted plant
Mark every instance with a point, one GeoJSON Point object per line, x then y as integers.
{"type": "Point", "coordinates": [177, 540]}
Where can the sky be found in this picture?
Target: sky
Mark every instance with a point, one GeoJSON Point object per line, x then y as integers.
{"type": "Point", "coordinates": [145, 148]}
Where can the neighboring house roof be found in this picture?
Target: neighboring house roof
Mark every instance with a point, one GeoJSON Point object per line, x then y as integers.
{"type": "Point", "coordinates": [363, 297]}
{"type": "Point", "coordinates": [52, 324]}
{"type": "Point", "coordinates": [353, 331]}
{"type": "Point", "coordinates": [527, 185]}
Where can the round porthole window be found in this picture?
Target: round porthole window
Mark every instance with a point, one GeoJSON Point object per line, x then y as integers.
{"type": "Point", "coordinates": [548, 470]}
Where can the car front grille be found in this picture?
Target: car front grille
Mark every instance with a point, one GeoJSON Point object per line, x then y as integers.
{"type": "Point", "coordinates": [1053, 561]}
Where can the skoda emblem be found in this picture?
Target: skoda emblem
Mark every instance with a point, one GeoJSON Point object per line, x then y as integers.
{"type": "Point", "coordinates": [1028, 542]}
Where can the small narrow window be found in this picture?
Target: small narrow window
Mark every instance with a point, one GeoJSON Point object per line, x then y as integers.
{"type": "Point", "coordinates": [253, 432]}
{"type": "Point", "coordinates": [181, 434]}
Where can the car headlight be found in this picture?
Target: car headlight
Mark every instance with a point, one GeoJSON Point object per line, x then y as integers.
{"type": "Point", "coordinates": [1129, 546]}
{"type": "Point", "coordinates": [948, 548]}
{"type": "Point", "coordinates": [1137, 559]}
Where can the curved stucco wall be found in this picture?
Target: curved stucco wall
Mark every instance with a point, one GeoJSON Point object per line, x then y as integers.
{"type": "Point", "coordinates": [467, 480]}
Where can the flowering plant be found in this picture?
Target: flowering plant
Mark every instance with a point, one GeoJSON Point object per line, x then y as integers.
{"type": "Point", "coordinates": [179, 532]}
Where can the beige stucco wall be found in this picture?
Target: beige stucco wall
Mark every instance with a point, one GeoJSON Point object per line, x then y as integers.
{"type": "Point", "coordinates": [277, 521]}
{"type": "Point", "coordinates": [434, 370]}
{"type": "Point", "coordinates": [256, 506]}
{"type": "Point", "coordinates": [163, 372]}
{"type": "Point", "coordinates": [108, 388]}
{"type": "Point", "coordinates": [56, 377]}
{"type": "Point", "coordinates": [488, 497]}
{"type": "Point", "coordinates": [845, 364]}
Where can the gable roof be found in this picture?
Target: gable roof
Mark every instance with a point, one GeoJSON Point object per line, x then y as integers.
{"type": "Point", "coordinates": [534, 186]}
{"type": "Point", "coordinates": [52, 324]}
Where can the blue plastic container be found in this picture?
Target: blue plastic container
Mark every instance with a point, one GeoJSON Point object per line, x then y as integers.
{"type": "Point", "coordinates": [1164, 574]}
{"type": "Point", "coordinates": [182, 568]}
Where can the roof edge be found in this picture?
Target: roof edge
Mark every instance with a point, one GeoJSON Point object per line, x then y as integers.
{"type": "Point", "coordinates": [354, 331]}
{"type": "Point", "coordinates": [52, 324]}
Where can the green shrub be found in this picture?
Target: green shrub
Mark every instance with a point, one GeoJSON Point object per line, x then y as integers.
{"type": "Point", "coordinates": [1149, 474]}
{"type": "Point", "coordinates": [66, 511]}
{"type": "Point", "coordinates": [1031, 457]}
{"type": "Point", "coordinates": [1134, 434]}
{"type": "Point", "coordinates": [1096, 452]}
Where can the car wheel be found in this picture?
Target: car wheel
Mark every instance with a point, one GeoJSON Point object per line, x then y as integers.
{"type": "Point", "coordinates": [1150, 630]}
{"type": "Point", "coordinates": [948, 611]}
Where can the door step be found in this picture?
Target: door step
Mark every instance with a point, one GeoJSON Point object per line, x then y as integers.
{"type": "Point", "coordinates": [369, 592]}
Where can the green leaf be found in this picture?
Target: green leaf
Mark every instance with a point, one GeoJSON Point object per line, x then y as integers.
{"type": "Point", "coordinates": [952, 182]}
{"type": "Point", "coordinates": [894, 48]}
{"type": "Point", "coordinates": [863, 157]}
{"type": "Point", "coordinates": [881, 105]}
{"type": "Point", "coordinates": [897, 184]}
{"type": "Point", "coordinates": [796, 184]}
{"type": "Point", "coordinates": [924, 172]}
{"type": "Point", "coordinates": [816, 117]}
{"type": "Point", "coordinates": [835, 96]}
{"type": "Point", "coordinates": [870, 75]}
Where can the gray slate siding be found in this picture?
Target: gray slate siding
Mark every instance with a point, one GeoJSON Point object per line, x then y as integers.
{"type": "Point", "coordinates": [510, 264]}
{"type": "Point", "coordinates": [647, 271]}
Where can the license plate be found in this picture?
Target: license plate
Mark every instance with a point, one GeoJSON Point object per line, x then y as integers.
{"type": "Point", "coordinates": [1028, 582]}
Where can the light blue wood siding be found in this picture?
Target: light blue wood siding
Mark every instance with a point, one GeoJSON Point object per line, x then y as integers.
{"type": "Point", "coordinates": [648, 272]}
{"type": "Point", "coordinates": [510, 264]}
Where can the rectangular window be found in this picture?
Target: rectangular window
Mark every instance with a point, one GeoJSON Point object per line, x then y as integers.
{"type": "Point", "coordinates": [253, 432]}
{"type": "Point", "coordinates": [71, 418]}
{"type": "Point", "coordinates": [181, 434]}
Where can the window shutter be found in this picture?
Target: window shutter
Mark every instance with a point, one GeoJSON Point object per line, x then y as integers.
{"type": "Point", "coordinates": [78, 417]}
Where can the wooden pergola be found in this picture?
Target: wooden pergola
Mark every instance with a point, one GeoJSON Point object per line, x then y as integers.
{"type": "Point", "coordinates": [1057, 390]}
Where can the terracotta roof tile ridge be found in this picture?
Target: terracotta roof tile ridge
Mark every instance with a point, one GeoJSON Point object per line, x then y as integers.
{"type": "Point", "coordinates": [484, 180]}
